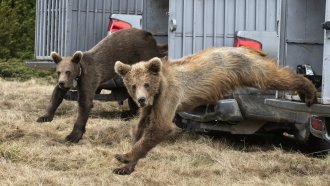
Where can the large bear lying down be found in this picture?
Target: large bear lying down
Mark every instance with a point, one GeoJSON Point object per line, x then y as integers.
{"type": "Point", "coordinates": [163, 88]}
{"type": "Point", "coordinates": [94, 67]}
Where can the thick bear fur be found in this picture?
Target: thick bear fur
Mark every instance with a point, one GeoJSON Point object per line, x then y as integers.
{"type": "Point", "coordinates": [163, 88]}
{"type": "Point", "coordinates": [96, 66]}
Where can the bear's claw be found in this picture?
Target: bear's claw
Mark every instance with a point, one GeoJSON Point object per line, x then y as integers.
{"type": "Point", "coordinates": [122, 171]}
{"type": "Point", "coordinates": [308, 99]}
{"type": "Point", "coordinates": [74, 136]}
{"type": "Point", "coordinates": [309, 102]}
{"type": "Point", "coordinates": [44, 118]}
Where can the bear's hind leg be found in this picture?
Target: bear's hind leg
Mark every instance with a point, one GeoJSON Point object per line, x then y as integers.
{"type": "Point", "coordinates": [307, 92]}
{"type": "Point", "coordinates": [284, 79]}
{"type": "Point", "coordinates": [304, 87]}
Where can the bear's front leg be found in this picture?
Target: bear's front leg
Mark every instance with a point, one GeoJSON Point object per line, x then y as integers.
{"type": "Point", "coordinates": [85, 102]}
{"type": "Point", "coordinates": [141, 125]}
{"type": "Point", "coordinates": [153, 134]}
{"type": "Point", "coordinates": [138, 131]}
{"type": "Point", "coordinates": [56, 99]}
{"type": "Point", "coordinates": [80, 125]}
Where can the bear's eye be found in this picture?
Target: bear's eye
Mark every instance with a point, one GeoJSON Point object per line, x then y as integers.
{"type": "Point", "coordinates": [67, 73]}
{"type": "Point", "coordinates": [58, 74]}
{"type": "Point", "coordinates": [146, 85]}
{"type": "Point", "coordinates": [134, 87]}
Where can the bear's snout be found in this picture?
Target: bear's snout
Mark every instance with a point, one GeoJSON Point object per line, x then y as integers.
{"type": "Point", "coordinates": [142, 101]}
{"type": "Point", "coordinates": [61, 84]}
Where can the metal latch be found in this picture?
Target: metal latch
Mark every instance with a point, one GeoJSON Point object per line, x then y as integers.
{"type": "Point", "coordinates": [173, 25]}
{"type": "Point", "coordinates": [326, 25]}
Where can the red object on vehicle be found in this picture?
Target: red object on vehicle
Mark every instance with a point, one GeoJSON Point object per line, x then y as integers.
{"type": "Point", "coordinates": [115, 25]}
{"type": "Point", "coordinates": [317, 123]}
{"type": "Point", "coordinates": [249, 43]}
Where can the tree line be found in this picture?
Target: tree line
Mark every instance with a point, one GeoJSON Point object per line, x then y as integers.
{"type": "Point", "coordinates": [17, 27]}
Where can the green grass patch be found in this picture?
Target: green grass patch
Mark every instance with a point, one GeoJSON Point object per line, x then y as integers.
{"type": "Point", "coordinates": [11, 152]}
{"type": "Point", "coordinates": [15, 69]}
{"type": "Point", "coordinates": [202, 160]}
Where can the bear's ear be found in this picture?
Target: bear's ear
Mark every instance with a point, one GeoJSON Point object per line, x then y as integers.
{"type": "Point", "coordinates": [77, 57]}
{"type": "Point", "coordinates": [154, 65]}
{"type": "Point", "coordinates": [56, 57]}
{"type": "Point", "coordinates": [121, 68]}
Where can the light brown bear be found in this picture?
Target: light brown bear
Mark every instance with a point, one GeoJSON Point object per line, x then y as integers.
{"type": "Point", "coordinates": [163, 88]}
{"type": "Point", "coordinates": [96, 66]}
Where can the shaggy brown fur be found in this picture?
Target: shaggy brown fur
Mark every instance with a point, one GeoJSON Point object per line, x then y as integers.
{"type": "Point", "coordinates": [161, 89]}
{"type": "Point", "coordinates": [96, 66]}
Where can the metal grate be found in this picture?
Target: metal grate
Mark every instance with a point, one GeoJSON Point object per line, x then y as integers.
{"type": "Point", "coordinates": [50, 27]}
{"type": "Point", "coordinates": [66, 26]}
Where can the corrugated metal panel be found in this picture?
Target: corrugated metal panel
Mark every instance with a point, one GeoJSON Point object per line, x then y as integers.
{"type": "Point", "coordinates": [66, 26]}
{"type": "Point", "coordinates": [205, 23]}
{"type": "Point", "coordinates": [50, 27]}
{"type": "Point", "coordinates": [303, 34]}
{"type": "Point", "coordinates": [155, 19]}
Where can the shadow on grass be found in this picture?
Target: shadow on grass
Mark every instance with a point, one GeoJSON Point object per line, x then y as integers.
{"type": "Point", "coordinates": [123, 115]}
{"type": "Point", "coordinates": [250, 143]}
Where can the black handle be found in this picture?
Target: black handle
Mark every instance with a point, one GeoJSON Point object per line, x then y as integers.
{"type": "Point", "coordinates": [326, 25]}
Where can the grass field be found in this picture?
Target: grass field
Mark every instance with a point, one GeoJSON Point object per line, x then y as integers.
{"type": "Point", "coordinates": [36, 154]}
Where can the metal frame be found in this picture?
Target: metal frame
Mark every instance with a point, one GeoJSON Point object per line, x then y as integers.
{"type": "Point", "coordinates": [326, 60]}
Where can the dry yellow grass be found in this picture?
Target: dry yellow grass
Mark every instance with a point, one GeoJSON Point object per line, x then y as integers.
{"type": "Point", "coordinates": [36, 154]}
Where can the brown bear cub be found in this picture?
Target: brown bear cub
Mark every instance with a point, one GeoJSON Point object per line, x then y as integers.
{"type": "Point", "coordinates": [163, 88]}
{"type": "Point", "coordinates": [96, 66]}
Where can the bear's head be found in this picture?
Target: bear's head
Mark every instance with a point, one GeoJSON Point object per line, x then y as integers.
{"type": "Point", "coordinates": [67, 68]}
{"type": "Point", "coordinates": [142, 80]}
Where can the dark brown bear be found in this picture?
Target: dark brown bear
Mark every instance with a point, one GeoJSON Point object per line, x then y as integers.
{"type": "Point", "coordinates": [96, 66]}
